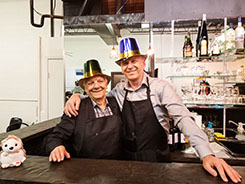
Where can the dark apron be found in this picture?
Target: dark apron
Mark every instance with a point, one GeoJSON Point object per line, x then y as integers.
{"type": "Point", "coordinates": [101, 137]}
{"type": "Point", "coordinates": [144, 138]}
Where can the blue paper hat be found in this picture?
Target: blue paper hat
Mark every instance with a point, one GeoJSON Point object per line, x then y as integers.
{"type": "Point", "coordinates": [128, 48]}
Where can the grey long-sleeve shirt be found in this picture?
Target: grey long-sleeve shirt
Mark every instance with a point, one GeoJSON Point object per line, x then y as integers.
{"type": "Point", "coordinates": [165, 101]}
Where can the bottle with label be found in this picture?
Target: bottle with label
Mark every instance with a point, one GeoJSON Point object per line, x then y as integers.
{"type": "Point", "coordinates": [198, 39]}
{"type": "Point", "coordinates": [230, 39]}
{"type": "Point", "coordinates": [215, 47]}
{"type": "Point", "coordinates": [210, 132]}
{"type": "Point", "coordinates": [188, 46]}
{"type": "Point", "coordinates": [204, 38]}
{"type": "Point", "coordinates": [184, 46]}
{"type": "Point", "coordinates": [172, 137]}
{"type": "Point", "coordinates": [239, 36]}
{"type": "Point", "coordinates": [181, 140]}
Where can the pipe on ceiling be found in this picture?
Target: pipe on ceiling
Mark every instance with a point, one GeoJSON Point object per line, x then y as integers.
{"type": "Point", "coordinates": [43, 17]}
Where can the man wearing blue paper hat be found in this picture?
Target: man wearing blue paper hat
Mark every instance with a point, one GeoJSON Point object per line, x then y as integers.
{"type": "Point", "coordinates": [128, 48]}
{"type": "Point", "coordinates": [146, 104]}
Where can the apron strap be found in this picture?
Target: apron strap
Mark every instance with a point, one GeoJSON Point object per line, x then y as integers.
{"type": "Point", "coordinates": [148, 88]}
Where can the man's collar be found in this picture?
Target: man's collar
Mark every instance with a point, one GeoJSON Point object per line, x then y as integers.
{"type": "Point", "coordinates": [144, 82]}
{"type": "Point", "coordinates": [95, 104]}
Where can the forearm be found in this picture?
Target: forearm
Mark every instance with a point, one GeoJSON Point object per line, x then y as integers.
{"type": "Point", "coordinates": [197, 138]}
{"type": "Point", "coordinates": [182, 117]}
{"type": "Point", "coordinates": [51, 144]}
{"type": "Point", "coordinates": [60, 134]}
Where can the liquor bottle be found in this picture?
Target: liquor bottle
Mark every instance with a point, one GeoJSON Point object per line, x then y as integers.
{"type": "Point", "coordinates": [181, 140]}
{"type": "Point", "coordinates": [184, 46]}
{"type": "Point", "coordinates": [188, 47]}
{"type": "Point", "coordinates": [198, 39]}
{"type": "Point", "coordinates": [239, 36]}
{"type": "Point", "coordinates": [172, 137]}
{"type": "Point", "coordinates": [204, 37]}
{"type": "Point", "coordinates": [215, 47]}
{"type": "Point", "coordinates": [230, 38]}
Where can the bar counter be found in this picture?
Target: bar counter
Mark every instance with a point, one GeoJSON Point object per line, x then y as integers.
{"type": "Point", "coordinates": [184, 168]}
{"type": "Point", "coordinates": [37, 169]}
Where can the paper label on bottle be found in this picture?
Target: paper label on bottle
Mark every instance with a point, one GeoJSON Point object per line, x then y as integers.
{"type": "Point", "coordinates": [170, 139]}
{"type": "Point", "coordinates": [230, 38]}
{"type": "Point", "coordinates": [204, 47]}
{"type": "Point", "coordinates": [182, 138]}
{"type": "Point", "coordinates": [188, 51]}
{"type": "Point", "coordinates": [239, 41]}
{"type": "Point", "coordinates": [176, 138]}
{"type": "Point", "coordinates": [216, 50]}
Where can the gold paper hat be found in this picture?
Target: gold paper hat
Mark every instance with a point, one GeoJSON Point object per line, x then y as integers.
{"type": "Point", "coordinates": [92, 69]}
{"type": "Point", "coordinates": [128, 48]}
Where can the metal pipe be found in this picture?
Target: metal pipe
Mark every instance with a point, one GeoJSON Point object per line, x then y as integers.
{"type": "Point", "coordinates": [82, 8]}
{"type": "Point", "coordinates": [230, 121]}
{"type": "Point", "coordinates": [51, 19]}
{"type": "Point", "coordinates": [224, 121]}
{"type": "Point", "coordinates": [119, 3]}
{"type": "Point", "coordinates": [42, 17]}
{"type": "Point", "coordinates": [172, 39]}
{"type": "Point", "coordinates": [151, 57]}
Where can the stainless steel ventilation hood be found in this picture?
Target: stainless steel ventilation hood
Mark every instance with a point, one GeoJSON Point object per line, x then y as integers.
{"type": "Point", "coordinates": [87, 18]}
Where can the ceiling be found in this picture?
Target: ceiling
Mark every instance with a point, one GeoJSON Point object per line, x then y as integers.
{"type": "Point", "coordinates": [103, 18]}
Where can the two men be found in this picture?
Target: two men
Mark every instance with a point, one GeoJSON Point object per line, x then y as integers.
{"type": "Point", "coordinates": [96, 131]}
{"type": "Point", "coordinates": [146, 104]}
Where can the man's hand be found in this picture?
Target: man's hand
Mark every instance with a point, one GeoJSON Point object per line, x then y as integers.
{"type": "Point", "coordinates": [72, 105]}
{"type": "Point", "coordinates": [209, 162]}
{"type": "Point", "coordinates": [58, 154]}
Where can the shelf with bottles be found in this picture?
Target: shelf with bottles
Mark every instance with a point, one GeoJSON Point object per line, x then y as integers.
{"type": "Point", "coordinates": [202, 76]}
{"type": "Point", "coordinates": [210, 59]}
{"type": "Point", "coordinates": [227, 46]}
{"type": "Point", "coordinates": [232, 82]}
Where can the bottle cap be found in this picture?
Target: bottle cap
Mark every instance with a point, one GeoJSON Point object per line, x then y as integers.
{"type": "Point", "coordinates": [204, 17]}
{"type": "Point", "coordinates": [240, 19]}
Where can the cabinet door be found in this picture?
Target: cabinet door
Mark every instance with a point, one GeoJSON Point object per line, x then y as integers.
{"type": "Point", "coordinates": [56, 88]}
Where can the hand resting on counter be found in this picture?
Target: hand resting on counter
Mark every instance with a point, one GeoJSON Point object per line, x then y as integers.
{"type": "Point", "coordinates": [210, 162]}
{"type": "Point", "coordinates": [59, 154]}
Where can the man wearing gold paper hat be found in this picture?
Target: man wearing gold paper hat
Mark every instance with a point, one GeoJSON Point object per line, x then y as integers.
{"type": "Point", "coordinates": [146, 104]}
{"type": "Point", "coordinates": [96, 131]}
